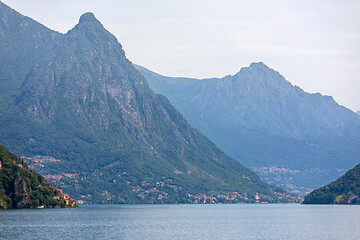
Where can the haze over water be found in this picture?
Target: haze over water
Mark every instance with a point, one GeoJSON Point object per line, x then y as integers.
{"type": "Point", "coordinates": [256, 221]}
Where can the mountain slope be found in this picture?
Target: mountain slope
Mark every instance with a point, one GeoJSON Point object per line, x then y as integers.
{"type": "Point", "coordinates": [20, 47]}
{"type": "Point", "coordinates": [345, 190]}
{"type": "Point", "coordinates": [22, 188]}
{"type": "Point", "coordinates": [109, 138]}
{"type": "Point", "coordinates": [295, 139]}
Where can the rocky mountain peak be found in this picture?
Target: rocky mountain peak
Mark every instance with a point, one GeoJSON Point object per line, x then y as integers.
{"type": "Point", "coordinates": [88, 17]}
{"type": "Point", "coordinates": [256, 67]}
{"type": "Point", "coordinates": [90, 30]}
{"type": "Point", "coordinates": [88, 23]}
{"type": "Point", "coordinates": [259, 65]}
{"type": "Point", "coordinates": [258, 75]}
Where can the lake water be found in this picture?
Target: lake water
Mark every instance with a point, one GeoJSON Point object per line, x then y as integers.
{"type": "Point", "coordinates": [244, 221]}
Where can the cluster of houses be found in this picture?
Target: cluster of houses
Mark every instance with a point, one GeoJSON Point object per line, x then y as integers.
{"type": "Point", "coordinates": [353, 199]}
{"type": "Point", "coordinates": [66, 198]}
{"type": "Point", "coordinates": [38, 160]}
{"type": "Point", "coordinates": [151, 193]}
{"type": "Point", "coordinates": [274, 169]}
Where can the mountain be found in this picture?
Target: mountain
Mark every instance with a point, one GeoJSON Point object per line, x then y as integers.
{"type": "Point", "coordinates": [345, 190]}
{"type": "Point", "coordinates": [23, 188]}
{"type": "Point", "coordinates": [294, 139]}
{"type": "Point", "coordinates": [20, 47]}
{"type": "Point", "coordinates": [78, 112]}
{"type": "Point", "coordinates": [358, 112]}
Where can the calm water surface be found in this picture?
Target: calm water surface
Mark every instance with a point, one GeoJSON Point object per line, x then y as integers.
{"type": "Point", "coordinates": [273, 221]}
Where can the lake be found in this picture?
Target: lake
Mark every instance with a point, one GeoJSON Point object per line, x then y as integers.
{"type": "Point", "coordinates": [243, 221]}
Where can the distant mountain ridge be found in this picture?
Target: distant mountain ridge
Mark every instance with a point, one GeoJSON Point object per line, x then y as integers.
{"type": "Point", "coordinates": [79, 100]}
{"type": "Point", "coordinates": [260, 119]}
{"type": "Point", "coordinates": [275, 98]}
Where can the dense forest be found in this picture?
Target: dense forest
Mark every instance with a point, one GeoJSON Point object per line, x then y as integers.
{"type": "Point", "coordinates": [345, 190]}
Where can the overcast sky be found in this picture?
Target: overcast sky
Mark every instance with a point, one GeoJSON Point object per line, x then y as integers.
{"type": "Point", "coordinates": [315, 44]}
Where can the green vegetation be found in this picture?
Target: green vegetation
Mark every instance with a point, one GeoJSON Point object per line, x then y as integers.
{"type": "Point", "coordinates": [345, 190]}
{"type": "Point", "coordinates": [23, 188]}
{"type": "Point", "coordinates": [83, 103]}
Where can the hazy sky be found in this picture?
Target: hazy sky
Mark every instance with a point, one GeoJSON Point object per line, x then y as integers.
{"type": "Point", "coordinates": [315, 44]}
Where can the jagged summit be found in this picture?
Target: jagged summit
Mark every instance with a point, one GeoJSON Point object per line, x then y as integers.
{"type": "Point", "coordinates": [88, 21]}
{"type": "Point", "coordinates": [258, 65]}
{"type": "Point", "coordinates": [90, 27]}
{"type": "Point", "coordinates": [88, 17]}
{"type": "Point", "coordinates": [260, 72]}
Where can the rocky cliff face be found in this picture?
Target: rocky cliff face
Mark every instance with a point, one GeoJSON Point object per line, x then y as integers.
{"type": "Point", "coordinates": [22, 188]}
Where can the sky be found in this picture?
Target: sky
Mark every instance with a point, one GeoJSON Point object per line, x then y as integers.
{"type": "Point", "coordinates": [314, 44]}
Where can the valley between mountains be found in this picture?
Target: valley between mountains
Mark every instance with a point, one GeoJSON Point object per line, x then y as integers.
{"type": "Point", "coordinates": [78, 112]}
{"type": "Point", "coordinates": [106, 130]}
